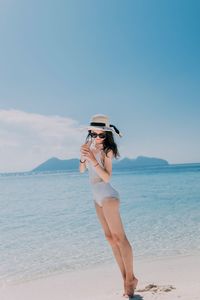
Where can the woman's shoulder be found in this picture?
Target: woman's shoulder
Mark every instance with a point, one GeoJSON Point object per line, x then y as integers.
{"type": "Point", "coordinates": [109, 153]}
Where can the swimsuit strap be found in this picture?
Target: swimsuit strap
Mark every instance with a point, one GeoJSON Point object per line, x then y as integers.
{"type": "Point", "coordinates": [98, 157]}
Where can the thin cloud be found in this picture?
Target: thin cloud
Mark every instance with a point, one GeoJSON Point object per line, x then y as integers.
{"type": "Point", "coordinates": [27, 139]}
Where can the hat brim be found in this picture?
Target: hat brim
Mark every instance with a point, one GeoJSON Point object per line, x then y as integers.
{"type": "Point", "coordinates": [104, 129]}
{"type": "Point", "coordinates": [100, 128]}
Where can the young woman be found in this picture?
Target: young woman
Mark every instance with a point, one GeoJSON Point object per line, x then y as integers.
{"type": "Point", "coordinates": [96, 155]}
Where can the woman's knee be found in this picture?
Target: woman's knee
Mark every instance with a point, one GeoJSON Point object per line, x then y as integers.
{"type": "Point", "coordinates": [116, 239]}
{"type": "Point", "coordinates": [119, 238]}
{"type": "Point", "coordinates": [111, 239]}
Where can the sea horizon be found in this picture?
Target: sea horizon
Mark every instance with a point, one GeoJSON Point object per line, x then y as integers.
{"type": "Point", "coordinates": [138, 167]}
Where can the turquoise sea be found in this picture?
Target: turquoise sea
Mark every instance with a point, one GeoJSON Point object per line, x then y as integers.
{"type": "Point", "coordinates": [48, 222]}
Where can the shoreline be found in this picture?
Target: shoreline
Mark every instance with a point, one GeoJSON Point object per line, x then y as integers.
{"type": "Point", "coordinates": [170, 278]}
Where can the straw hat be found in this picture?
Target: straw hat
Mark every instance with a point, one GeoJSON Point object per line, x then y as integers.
{"type": "Point", "coordinates": [101, 122]}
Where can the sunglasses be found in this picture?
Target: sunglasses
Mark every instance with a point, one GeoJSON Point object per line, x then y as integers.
{"type": "Point", "coordinates": [100, 135]}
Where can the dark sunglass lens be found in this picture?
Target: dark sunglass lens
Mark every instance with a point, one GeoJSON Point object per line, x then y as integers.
{"type": "Point", "coordinates": [93, 134]}
{"type": "Point", "coordinates": [100, 135]}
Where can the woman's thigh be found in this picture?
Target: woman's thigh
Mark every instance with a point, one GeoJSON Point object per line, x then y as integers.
{"type": "Point", "coordinates": [102, 220]}
{"type": "Point", "coordinates": [112, 216]}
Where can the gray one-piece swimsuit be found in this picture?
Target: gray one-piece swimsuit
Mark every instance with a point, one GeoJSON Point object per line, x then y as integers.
{"type": "Point", "coordinates": [100, 189]}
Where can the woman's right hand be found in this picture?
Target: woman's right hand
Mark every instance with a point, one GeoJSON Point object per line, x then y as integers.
{"type": "Point", "coordinates": [85, 148]}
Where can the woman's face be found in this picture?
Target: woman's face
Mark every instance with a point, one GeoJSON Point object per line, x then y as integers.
{"type": "Point", "coordinates": [98, 139]}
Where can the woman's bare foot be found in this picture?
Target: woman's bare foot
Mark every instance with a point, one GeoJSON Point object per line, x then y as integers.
{"type": "Point", "coordinates": [124, 278]}
{"type": "Point", "coordinates": [124, 288]}
{"type": "Point", "coordinates": [135, 282]}
{"type": "Point", "coordinates": [129, 287]}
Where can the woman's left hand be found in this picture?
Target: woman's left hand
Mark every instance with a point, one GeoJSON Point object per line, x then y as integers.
{"type": "Point", "coordinates": [88, 154]}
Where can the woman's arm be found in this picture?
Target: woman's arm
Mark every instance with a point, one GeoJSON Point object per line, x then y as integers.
{"type": "Point", "coordinates": [82, 165]}
{"type": "Point", "coordinates": [106, 172]}
{"type": "Point", "coordinates": [83, 149]}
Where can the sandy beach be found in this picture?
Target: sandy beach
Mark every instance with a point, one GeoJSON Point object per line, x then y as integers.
{"type": "Point", "coordinates": [169, 278]}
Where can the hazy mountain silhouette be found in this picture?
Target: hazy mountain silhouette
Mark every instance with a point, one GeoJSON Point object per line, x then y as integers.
{"type": "Point", "coordinates": [56, 164]}
{"type": "Point", "coordinates": [140, 161]}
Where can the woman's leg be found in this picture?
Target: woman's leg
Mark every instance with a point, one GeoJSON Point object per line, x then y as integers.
{"type": "Point", "coordinates": [108, 235]}
{"type": "Point", "coordinates": [112, 215]}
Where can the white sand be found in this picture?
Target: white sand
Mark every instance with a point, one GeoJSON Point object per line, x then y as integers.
{"type": "Point", "coordinates": [105, 282]}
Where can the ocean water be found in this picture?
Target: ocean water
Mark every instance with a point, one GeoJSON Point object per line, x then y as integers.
{"type": "Point", "coordinates": [48, 222]}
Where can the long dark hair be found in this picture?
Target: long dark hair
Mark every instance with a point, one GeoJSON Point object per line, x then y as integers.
{"type": "Point", "coordinates": [108, 143]}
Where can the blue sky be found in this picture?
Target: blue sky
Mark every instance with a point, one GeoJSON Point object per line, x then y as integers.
{"type": "Point", "coordinates": [63, 61]}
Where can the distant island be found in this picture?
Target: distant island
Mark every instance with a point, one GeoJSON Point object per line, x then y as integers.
{"type": "Point", "coordinates": [56, 164]}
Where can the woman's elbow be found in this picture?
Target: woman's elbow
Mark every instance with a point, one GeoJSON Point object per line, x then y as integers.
{"type": "Point", "coordinates": [107, 178]}
{"type": "Point", "coordinates": [81, 170]}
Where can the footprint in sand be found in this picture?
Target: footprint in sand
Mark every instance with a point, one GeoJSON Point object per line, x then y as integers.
{"type": "Point", "coordinates": [154, 288]}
